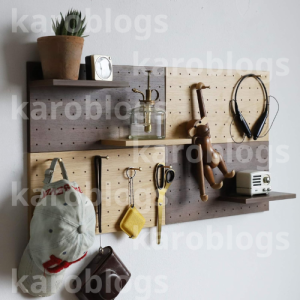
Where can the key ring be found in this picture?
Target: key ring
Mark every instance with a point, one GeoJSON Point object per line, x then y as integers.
{"type": "Point", "coordinates": [128, 169]}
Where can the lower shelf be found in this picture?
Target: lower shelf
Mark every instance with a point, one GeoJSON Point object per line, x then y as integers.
{"type": "Point", "coordinates": [272, 196]}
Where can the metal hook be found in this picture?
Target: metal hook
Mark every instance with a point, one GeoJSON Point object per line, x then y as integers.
{"type": "Point", "coordinates": [134, 169]}
{"type": "Point", "coordinates": [254, 74]}
{"type": "Point", "coordinates": [137, 169]}
{"type": "Point", "coordinates": [105, 157]}
{"type": "Point", "coordinates": [60, 159]}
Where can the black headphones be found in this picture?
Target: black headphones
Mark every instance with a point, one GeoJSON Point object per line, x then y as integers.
{"type": "Point", "coordinates": [259, 125]}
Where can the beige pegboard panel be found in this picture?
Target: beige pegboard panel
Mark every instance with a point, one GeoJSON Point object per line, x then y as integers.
{"type": "Point", "coordinates": [182, 104]}
{"type": "Point", "coordinates": [79, 165]}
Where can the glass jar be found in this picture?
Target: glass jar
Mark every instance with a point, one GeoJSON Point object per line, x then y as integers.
{"type": "Point", "coordinates": [147, 122]}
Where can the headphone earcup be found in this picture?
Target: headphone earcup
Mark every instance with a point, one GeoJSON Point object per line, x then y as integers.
{"type": "Point", "coordinates": [243, 124]}
{"type": "Point", "coordinates": [259, 125]}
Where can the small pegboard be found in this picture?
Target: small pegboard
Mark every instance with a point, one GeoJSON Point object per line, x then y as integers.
{"type": "Point", "coordinates": [182, 104]}
{"type": "Point", "coordinates": [183, 203]}
{"type": "Point", "coordinates": [72, 118]}
{"type": "Point", "coordinates": [80, 168]}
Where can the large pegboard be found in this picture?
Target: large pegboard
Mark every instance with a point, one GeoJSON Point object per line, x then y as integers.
{"type": "Point", "coordinates": [51, 138]}
{"type": "Point", "coordinates": [182, 105]}
{"type": "Point", "coordinates": [183, 203]}
{"type": "Point", "coordinates": [80, 168]}
{"type": "Point", "coordinates": [56, 131]}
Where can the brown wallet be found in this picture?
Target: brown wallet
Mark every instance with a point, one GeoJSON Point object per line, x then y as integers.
{"type": "Point", "coordinates": [103, 278]}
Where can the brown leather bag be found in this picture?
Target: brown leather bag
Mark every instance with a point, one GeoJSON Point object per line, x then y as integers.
{"type": "Point", "coordinates": [103, 278]}
{"type": "Point", "coordinates": [106, 275]}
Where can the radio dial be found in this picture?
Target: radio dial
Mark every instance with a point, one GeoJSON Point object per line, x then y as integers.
{"type": "Point", "coordinates": [267, 179]}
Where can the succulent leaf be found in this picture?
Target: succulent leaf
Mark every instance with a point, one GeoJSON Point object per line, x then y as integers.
{"type": "Point", "coordinates": [72, 24]}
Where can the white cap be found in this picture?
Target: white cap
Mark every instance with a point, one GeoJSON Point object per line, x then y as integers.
{"type": "Point", "coordinates": [61, 231]}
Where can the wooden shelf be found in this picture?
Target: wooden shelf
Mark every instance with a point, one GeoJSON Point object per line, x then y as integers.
{"type": "Point", "coordinates": [272, 196]}
{"type": "Point", "coordinates": [136, 143]}
{"type": "Point", "coordinates": [79, 83]}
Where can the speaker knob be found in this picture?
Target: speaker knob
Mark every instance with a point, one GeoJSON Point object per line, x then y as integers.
{"type": "Point", "coordinates": [267, 179]}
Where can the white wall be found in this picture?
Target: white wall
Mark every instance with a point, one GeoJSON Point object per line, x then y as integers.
{"type": "Point", "coordinates": [268, 29]}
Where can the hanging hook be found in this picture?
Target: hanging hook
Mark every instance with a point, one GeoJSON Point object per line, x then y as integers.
{"type": "Point", "coordinates": [60, 159]}
{"type": "Point", "coordinates": [137, 169]}
{"type": "Point", "coordinates": [105, 157]}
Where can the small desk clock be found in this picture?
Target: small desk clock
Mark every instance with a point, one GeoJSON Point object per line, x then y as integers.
{"type": "Point", "coordinates": [99, 67]}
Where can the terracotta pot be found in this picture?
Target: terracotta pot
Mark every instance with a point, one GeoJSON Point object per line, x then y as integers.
{"type": "Point", "coordinates": [60, 56]}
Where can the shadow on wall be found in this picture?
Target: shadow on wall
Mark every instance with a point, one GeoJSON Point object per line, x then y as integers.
{"type": "Point", "coordinates": [14, 236]}
{"type": "Point", "coordinates": [17, 48]}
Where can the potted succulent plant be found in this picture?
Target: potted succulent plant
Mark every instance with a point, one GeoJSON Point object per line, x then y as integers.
{"type": "Point", "coordinates": [61, 54]}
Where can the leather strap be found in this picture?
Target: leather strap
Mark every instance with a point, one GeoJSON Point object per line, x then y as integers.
{"type": "Point", "coordinates": [49, 172]}
{"type": "Point", "coordinates": [98, 175]}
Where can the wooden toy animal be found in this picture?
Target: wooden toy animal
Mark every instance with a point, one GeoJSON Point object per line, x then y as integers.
{"type": "Point", "coordinates": [209, 157]}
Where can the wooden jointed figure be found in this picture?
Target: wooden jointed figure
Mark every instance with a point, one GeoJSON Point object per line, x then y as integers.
{"type": "Point", "coordinates": [200, 132]}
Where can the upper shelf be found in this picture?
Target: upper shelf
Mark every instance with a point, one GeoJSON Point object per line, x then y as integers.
{"type": "Point", "coordinates": [79, 83]}
{"type": "Point", "coordinates": [272, 196]}
{"type": "Point", "coordinates": [132, 143]}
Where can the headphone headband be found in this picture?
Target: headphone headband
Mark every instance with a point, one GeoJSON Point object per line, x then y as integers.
{"type": "Point", "coordinates": [262, 119]}
{"type": "Point", "coordinates": [260, 82]}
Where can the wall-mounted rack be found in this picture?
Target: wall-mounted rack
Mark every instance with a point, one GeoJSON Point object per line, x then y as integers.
{"type": "Point", "coordinates": [77, 141]}
{"type": "Point", "coordinates": [78, 83]}
{"type": "Point", "coordinates": [139, 143]}
{"type": "Point", "coordinates": [272, 196]}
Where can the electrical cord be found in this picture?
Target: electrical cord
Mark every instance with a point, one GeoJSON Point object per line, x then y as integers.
{"type": "Point", "coordinates": [274, 117]}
